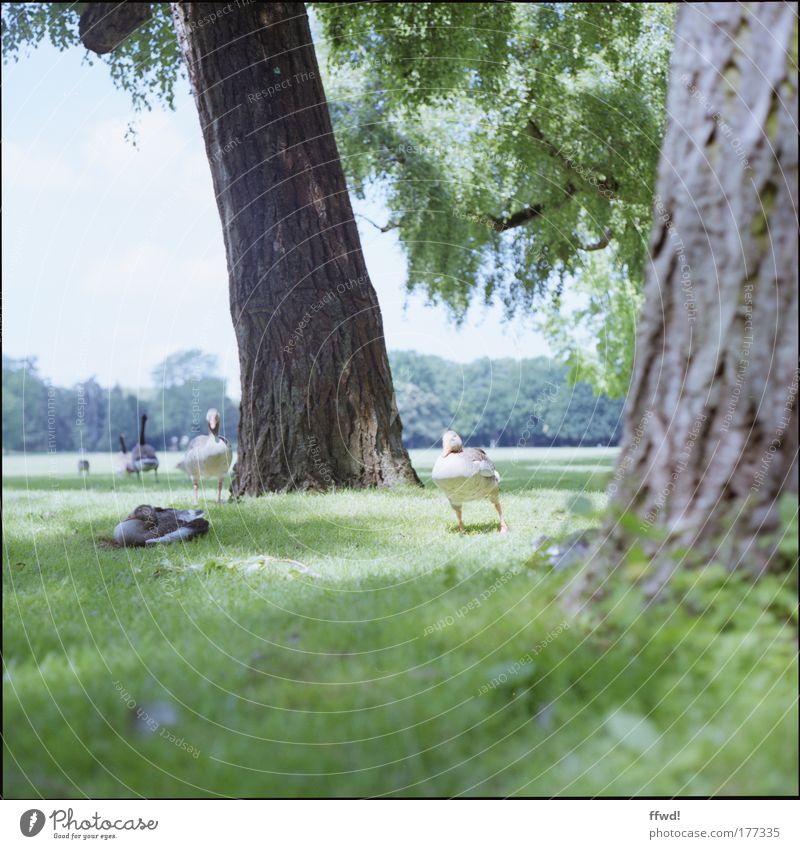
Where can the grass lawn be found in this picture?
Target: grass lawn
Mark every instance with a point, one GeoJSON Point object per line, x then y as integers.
{"type": "Point", "coordinates": [401, 659]}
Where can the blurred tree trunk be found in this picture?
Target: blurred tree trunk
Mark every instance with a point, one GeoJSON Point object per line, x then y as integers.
{"type": "Point", "coordinates": [317, 406]}
{"type": "Point", "coordinates": [710, 440]}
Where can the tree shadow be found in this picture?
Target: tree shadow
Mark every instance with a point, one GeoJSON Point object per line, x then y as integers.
{"type": "Point", "coordinates": [167, 482]}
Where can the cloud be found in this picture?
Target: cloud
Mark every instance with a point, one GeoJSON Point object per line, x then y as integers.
{"type": "Point", "coordinates": [165, 278]}
{"type": "Point", "coordinates": [164, 153]}
{"type": "Point", "coordinates": [29, 172]}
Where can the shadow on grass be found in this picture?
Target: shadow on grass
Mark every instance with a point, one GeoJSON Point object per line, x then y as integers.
{"type": "Point", "coordinates": [475, 528]}
{"type": "Point", "coordinates": [167, 483]}
{"type": "Point", "coordinates": [234, 533]}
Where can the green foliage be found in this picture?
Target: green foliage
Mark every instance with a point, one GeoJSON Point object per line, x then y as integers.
{"type": "Point", "coordinates": [146, 65]}
{"type": "Point", "coordinates": [24, 406]}
{"type": "Point", "coordinates": [785, 542]}
{"type": "Point", "coordinates": [38, 416]}
{"type": "Point", "coordinates": [409, 660]}
{"type": "Point", "coordinates": [183, 367]}
{"type": "Point", "coordinates": [597, 338]}
{"type": "Point", "coordinates": [504, 402]}
{"type": "Point", "coordinates": [508, 140]}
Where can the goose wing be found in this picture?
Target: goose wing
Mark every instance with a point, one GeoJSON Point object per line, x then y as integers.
{"type": "Point", "coordinates": [196, 442]}
{"type": "Point", "coordinates": [183, 532]}
{"type": "Point", "coordinates": [480, 460]}
{"type": "Point", "coordinates": [143, 452]}
{"type": "Point", "coordinates": [186, 530]}
{"type": "Point", "coordinates": [174, 525]}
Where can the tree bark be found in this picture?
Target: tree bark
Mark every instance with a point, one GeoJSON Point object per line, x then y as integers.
{"type": "Point", "coordinates": [317, 406]}
{"type": "Point", "coordinates": [710, 441]}
{"type": "Point", "coordinates": [104, 26]}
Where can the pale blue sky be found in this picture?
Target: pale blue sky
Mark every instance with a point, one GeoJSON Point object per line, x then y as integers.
{"type": "Point", "coordinates": [113, 256]}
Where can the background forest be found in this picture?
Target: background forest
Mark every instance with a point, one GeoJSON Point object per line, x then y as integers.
{"type": "Point", "coordinates": [492, 402]}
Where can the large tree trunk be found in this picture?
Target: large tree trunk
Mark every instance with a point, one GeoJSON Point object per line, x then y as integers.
{"type": "Point", "coordinates": [317, 405]}
{"type": "Point", "coordinates": [710, 441]}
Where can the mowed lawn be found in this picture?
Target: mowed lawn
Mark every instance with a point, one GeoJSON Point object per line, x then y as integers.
{"type": "Point", "coordinates": [373, 650]}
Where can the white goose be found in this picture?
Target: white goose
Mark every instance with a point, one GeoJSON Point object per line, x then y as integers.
{"type": "Point", "coordinates": [466, 474]}
{"type": "Point", "coordinates": [208, 456]}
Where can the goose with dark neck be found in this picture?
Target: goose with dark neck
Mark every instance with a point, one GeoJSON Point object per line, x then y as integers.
{"type": "Point", "coordinates": [143, 456]}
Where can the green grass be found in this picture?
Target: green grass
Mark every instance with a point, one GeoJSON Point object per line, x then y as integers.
{"type": "Point", "coordinates": [410, 660]}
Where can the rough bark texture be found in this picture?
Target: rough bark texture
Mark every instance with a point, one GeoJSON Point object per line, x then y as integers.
{"type": "Point", "coordinates": [318, 405]}
{"type": "Point", "coordinates": [104, 26]}
{"type": "Point", "coordinates": [710, 441]}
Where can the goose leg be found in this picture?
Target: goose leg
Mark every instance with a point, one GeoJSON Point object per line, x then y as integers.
{"type": "Point", "coordinates": [156, 471]}
{"type": "Point", "coordinates": [195, 485]}
{"type": "Point", "coordinates": [461, 527]}
{"type": "Point", "coordinates": [503, 525]}
{"type": "Point", "coordinates": [219, 491]}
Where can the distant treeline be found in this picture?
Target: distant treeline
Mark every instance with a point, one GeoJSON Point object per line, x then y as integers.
{"type": "Point", "coordinates": [489, 402]}
{"type": "Point", "coordinates": [499, 402]}
{"type": "Point", "coordinates": [38, 416]}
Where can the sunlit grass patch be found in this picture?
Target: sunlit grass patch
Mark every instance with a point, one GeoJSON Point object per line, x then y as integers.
{"type": "Point", "coordinates": [407, 659]}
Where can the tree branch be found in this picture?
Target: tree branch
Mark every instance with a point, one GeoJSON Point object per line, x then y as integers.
{"type": "Point", "coordinates": [523, 216]}
{"type": "Point", "coordinates": [104, 26]}
{"type": "Point", "coordinates": [516, 219]}
{"type": "Point", "coordinates": [608, 186]}
{"type": "Point", "coordinates": [600, 243]}
{"type": "Point", "coordinates": [391, 225]}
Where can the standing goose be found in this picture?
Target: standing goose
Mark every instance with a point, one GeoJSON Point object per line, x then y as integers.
{"type": "Point", "coordinates": [143, 456]}
{"type": "Point", "coordinates": [466, 474]}
{"type": "Point", "coordinates": [208, 456]}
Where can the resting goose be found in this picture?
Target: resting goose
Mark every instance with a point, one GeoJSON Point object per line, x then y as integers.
{"type": "Point", "coordinates": [153, 525]}
{"type": "Point", "coordinates": [143, 456]}
{"type": "Point", "coordinates": [208, 456]}
{"type": "Point", "coordinates": [122, 461]}
{"type": "Point", "coordinates": [466, 474]}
